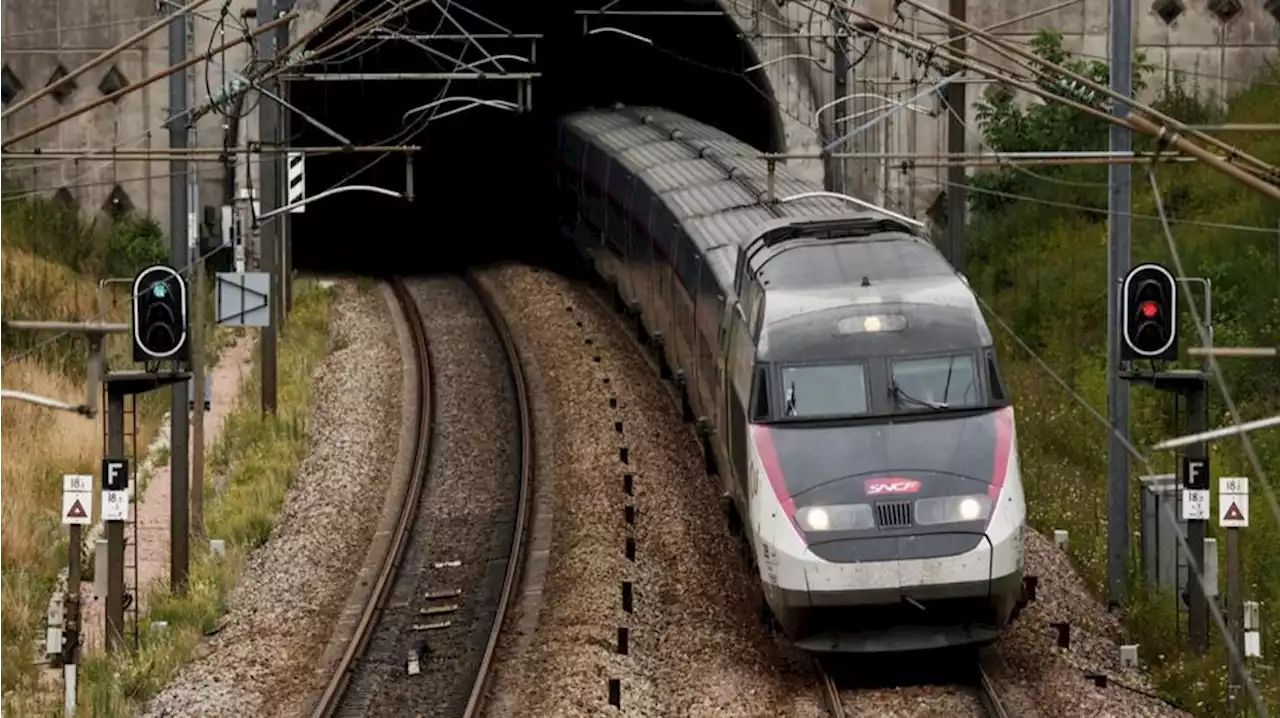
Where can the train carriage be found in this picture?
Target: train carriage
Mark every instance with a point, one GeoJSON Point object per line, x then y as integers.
{"type": "Point", "coordinates": [838, 366]}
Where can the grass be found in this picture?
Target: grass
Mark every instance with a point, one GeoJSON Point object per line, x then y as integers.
{"type": "Point", "coordinates": [49, 265]}
{"type": "Point", "coordinates": [259, 457]}
{"type": "Point", "coordinates": [1043, 271]}
{"type": "Point", "coordinates": [40, 445]}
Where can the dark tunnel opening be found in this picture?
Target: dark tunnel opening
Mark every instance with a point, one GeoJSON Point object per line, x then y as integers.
{"type": "Point", "coordinates": [483, 177]}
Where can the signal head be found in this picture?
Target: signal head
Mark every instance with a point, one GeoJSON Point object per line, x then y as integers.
{"type": "Point", "coordinates": [159, 315]}
{"type": "Point", "coordinates": [1149, 314]}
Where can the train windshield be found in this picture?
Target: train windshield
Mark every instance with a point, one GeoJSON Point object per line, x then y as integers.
{"type": "Point", "coordinates": [944, 382]}
{"type": "Point", "coordinates": [824, 391]}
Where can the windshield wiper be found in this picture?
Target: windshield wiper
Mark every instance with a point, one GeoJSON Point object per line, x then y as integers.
{"type": "Point", "coordinates": [898, 393]}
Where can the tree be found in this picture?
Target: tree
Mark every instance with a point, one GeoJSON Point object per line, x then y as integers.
{"type": "Point", "coordinates": [1042, 126]}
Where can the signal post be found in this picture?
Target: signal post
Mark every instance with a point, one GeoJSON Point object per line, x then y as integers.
{"type": "Point", "coordinates": [1149, 331]}
{"type": "Point", "coordinates": [159, 336]}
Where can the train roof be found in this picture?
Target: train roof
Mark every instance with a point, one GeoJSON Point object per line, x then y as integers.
{"type": "Point", "coordinates": [673, 151]}
{"type": "Point", "coordinates": [820, 322]}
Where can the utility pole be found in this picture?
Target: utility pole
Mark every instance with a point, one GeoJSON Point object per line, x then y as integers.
{"type": "Point", "coordinates": [286, 229]}
{"type": "Point", "coordinates": [196, 323]}
{"type": "Point", "coordinates": [178, 221]}
{"type": "Point", "coordinates": [957, 192]}
{"type": "Point", "coordinates": [1118, 226]}
{"type": "Point", "coordinates": [269, 135]}
{"type": "Point", "coordinates": [839, 90]}
{"type": "Point", "coordinates": [197, 399]}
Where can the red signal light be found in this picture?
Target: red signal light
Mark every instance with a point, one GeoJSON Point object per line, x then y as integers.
{"type": "Point", "coordinates": [1149, 309]}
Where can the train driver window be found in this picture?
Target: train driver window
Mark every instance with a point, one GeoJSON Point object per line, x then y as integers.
{"type": "Point", "coordinates": [940, 382]}
{"type": "Point", "coordinates": [823, 391]}
{"type": "Point", "coordinates": [760, 399]}
{"type": "Point", "coordinates": [994, 380]}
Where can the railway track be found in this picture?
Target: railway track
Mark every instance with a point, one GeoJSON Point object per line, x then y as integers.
{"type": "Point", "coordinates": [372, 675]}
{"type": "Point", "coordinates": [972, 694]}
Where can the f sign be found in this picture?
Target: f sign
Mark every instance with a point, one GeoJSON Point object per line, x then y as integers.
{"type": "Point", "coordinates": [115, 474]}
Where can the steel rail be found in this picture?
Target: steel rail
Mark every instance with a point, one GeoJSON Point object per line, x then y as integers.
{"type": "Point", "coordinates": [830, 691]}
{"type": "Point", "coordinates": [987, 693]}
{"type": "Point", "coordinates": [331, 699]}
{"type": "Point", "coordinates": [515, 563]}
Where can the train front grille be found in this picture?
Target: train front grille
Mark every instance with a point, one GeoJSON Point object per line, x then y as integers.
{"type": "Point", "coordinates": [893, 514]}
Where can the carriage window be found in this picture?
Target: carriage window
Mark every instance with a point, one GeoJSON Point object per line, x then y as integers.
{"type": "Point", "coordinates": [823, 391]}
{"type": "Point", "coordinates": [947, 382]}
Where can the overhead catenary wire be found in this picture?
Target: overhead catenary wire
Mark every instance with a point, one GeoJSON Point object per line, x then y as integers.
{"type": "Point", "coordinates": [1134, 121]}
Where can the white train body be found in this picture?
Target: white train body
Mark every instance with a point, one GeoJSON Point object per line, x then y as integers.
{"type": "Point", "coordinates": [839, 368]}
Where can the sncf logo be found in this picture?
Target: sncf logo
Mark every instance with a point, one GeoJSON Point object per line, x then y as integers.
{"type": "Point", "coordinates": [880, 487]}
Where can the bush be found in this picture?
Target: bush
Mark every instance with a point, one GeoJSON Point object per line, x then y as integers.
{"type": "Point", "coordinates": [1043, 269]}
{"type": "Point", "coordinates": [133, 243]}
{"type": "Point", "coordinates": [97, 248]}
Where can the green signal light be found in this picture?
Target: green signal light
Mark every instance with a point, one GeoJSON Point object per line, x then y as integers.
{"type": "Point", "coordinates": [158, 291]}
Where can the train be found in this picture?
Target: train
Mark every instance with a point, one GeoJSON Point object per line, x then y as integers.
{"type": "Point", "coordinates": [838, 369]}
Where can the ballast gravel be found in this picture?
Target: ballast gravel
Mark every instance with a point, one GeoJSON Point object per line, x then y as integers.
{"type": "Point", "coordinates": [463, 527]}
{"type": "Point", "coordinates": [291, 589]}
{"type": "Point", "coordinates": [694, 643]}
{"type": "Point", "coordinates": [1038, 679]}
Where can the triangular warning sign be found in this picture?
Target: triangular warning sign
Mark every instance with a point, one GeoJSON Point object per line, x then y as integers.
{"type": "Point", "coordinates": [1233, 513]}
{"type": "Point", "coordinates": [76, 511]}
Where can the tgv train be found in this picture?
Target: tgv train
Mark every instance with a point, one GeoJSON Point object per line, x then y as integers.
{"type": "Point", "coordinates": [840, 372]}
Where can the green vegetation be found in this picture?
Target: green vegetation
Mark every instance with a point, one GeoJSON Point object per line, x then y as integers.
{"type": "Point", "coordinates": [254, 461]}
{"type": "Point", "coordinates": [1041, 264]}
{"type": "Point", "coordinates": [50, 265]}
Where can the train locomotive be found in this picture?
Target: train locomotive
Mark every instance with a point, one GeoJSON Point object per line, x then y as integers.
{"type": "Point", "coordinates": [839, 370]}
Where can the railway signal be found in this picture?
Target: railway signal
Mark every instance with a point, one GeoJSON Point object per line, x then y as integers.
{"type": "Point", "coordinates": [160, 315]}
{"type": "Point", "coordinates": [1149, 313]}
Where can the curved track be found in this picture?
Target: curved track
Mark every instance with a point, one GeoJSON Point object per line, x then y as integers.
{"type": "Point", "coordinates": [408, 528]}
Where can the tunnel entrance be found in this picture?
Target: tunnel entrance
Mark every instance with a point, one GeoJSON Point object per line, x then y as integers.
{"type": "Point", "coordinates": [483, 176]}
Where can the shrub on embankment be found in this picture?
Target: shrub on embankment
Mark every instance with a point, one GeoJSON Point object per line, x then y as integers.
{"type": "Point", "coordinates": [1038, 256]}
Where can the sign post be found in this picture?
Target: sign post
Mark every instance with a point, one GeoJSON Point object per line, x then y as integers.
{"type": "Point", "coordinates": [77, 511]}
{"type": "Point", "coordinates": [115, 511]}
{"type": "Point", "coordinates": [1233, 515]}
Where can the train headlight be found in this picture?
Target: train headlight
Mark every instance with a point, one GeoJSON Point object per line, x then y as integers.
{"type": "Point", "coordinates": [850, 517]}
{"type": "Point", "coordinates": [953, 509]}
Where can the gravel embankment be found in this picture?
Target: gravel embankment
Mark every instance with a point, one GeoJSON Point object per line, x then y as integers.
{"type": "Point", "coordinates": [695, 644]}
{"type": "Point", "coordinates": [1037, 679]}
{"type": "Point", "coordinates": [464, 522]}
{"type": "Point", "coordinates": [292, 589]}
